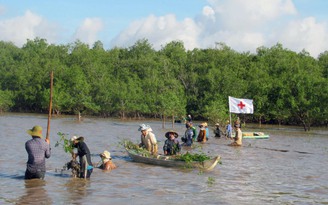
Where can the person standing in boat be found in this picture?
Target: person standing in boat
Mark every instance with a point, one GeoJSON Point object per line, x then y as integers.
{"type": "Point", "coordinates": [38, 150]}
{"type": "Point", "coordinates": [83, 152]}
{"type": "Point", "coordinates": [172, 145]}
{"type": "Point", "coordinates": [148, 139]}
{"type": "Point", "coordinates": [188, 136]}
{"type": "Point", "coordinates": [238, 136]}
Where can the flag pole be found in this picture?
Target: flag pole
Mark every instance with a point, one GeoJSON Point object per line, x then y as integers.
{"type": "Point", "coordinates": [230, 118]}
{"type": "Point", "coordinates": [229, 111]}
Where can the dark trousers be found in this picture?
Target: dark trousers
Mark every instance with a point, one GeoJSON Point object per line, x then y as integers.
{"type": "Point", "coordinates": [89, 171]}
{"type": "Point", "coordinates": [37, 174]}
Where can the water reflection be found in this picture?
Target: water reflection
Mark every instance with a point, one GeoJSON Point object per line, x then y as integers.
{"type": "Point", "coordinates": [35, 193]}
{"type": "Point", "coordinates": [77, 189]}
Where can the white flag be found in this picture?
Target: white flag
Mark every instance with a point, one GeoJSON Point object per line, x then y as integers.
{"type": "Point", "coordinates": [237, 105]}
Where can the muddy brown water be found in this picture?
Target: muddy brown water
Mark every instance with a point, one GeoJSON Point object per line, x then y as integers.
{"type": "Point", "coordinates": [288, 168]}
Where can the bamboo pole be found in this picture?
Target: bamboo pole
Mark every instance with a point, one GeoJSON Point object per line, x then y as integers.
{"type": "Point", "coordinates": [50, 104]}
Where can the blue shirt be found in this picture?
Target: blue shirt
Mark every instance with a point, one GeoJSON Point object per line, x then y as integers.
{"type": "Point", "coordinates": [229, 128]}
{"type": "Point", "coordinates": [207, 132]}
{"type": "Point", "coordinates": [188, 135]}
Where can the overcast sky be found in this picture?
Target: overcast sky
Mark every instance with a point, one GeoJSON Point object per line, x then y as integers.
{"type": "Point", "coordinates": [243, 25]}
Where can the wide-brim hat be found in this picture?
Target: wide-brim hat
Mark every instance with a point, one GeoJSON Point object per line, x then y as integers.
{"type": "Point", "coordinates": [74, 138]}
{"type": "Point", "coordinates": [106, 154]}
{"type": "Point", "coordinates": [204, 124]}
{"type": "Point", "coordinates": [143, 127]}
{"type": "Point", "coordinates": [35, 131]}
{"type": "Point", "coordinates": [167, 135]}
{"type": "Point", "coordinates": [217, 124]}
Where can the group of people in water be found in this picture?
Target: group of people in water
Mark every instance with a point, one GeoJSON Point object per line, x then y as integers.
{"type": "Point", "coordinates": [38, 149]}
{"type": "Point", "coordinates": [172, 145]}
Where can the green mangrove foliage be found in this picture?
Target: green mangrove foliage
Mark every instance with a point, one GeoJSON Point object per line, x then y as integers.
{"type": "Point", "coordinates": [139, 81]}
{"type": "Point", "coordinates": [193, 157]}
{"type": "Point", "coordinates": [64, 142]}
{"type": "Point", "coordinates": [135, 148]}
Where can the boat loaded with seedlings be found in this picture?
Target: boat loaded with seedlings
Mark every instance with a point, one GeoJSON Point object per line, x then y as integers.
{"type": "Point", "coordinates": [187, 160]}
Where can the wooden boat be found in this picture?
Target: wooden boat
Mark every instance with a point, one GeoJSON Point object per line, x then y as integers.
{"type": "Point", "coordinates": [255, 135]}
{"type": "Point", "coordinates": [168, 161]}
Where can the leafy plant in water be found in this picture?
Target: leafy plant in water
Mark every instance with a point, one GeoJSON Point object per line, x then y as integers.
{"type": "Point", "coordinates": [64, 142]}
{"type": "Point", "coordinates": [210, 180]}
{"type": "Point", "coordinates": [67, 145]}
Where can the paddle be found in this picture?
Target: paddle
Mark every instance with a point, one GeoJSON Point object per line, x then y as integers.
{"type": "Point", "coordinates": [50, 105]}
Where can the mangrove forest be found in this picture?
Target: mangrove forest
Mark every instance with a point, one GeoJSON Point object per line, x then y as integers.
{"type": "Point", "coordinates": [138, 82]}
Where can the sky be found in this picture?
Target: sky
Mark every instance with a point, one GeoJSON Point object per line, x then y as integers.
{"type": "Point", "coordinates": [243, 25]}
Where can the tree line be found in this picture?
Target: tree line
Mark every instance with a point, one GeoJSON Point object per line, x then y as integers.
{"type": "Point", "coordinates": [139, 81]}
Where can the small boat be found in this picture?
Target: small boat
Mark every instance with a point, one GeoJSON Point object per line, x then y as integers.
{"type": "Point", "coordinates": [255, 135]}
{"type": "Point", "coordinates": [167, 161]}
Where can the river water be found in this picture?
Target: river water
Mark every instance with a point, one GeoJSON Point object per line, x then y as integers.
{"type": "Point", "coordinates": [288, 168]}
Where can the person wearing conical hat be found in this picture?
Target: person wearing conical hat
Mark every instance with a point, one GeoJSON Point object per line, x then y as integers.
{"type": "Point", "coordinates": [217, 130]}
{"type": "Point", "coordinates": [202, 133]}
{"type": "Point", "coordinates": [172, 145]}
{"type": "Point", "coordinates": [207, 130]}
{"type": "Point", "coordinates": [38, 150]}
{"type": "Point", "coordinates": [107, 163]}
{"type": "Point", "coordinates": [237, 122]}
{"type": "Point", "coordinates": [148, 139]}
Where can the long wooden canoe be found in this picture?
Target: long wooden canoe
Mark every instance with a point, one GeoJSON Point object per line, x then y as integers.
{"type": "Point", "coordinates": [167, 161]}
{"type": "Point", "coordinates": [255, 135]}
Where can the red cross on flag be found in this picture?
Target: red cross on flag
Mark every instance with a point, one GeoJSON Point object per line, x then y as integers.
{"type": "Point", "coordinates": [237, 105]}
